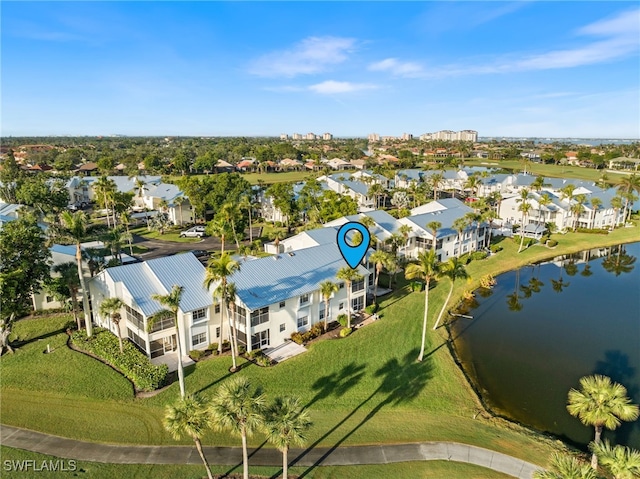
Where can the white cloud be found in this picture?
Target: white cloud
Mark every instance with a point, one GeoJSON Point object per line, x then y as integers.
{"type": "Point", "coordinates": [331, 87]}
{"type": "Point", "coordinates": [619, 38]}
{"type": "Point", "coordinates": [311, 55]}
{"type": "Point", "coordinates": [396, 67]}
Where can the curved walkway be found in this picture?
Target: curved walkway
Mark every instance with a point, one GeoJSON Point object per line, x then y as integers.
{"type": "Point", "coordinates": [352, 455]}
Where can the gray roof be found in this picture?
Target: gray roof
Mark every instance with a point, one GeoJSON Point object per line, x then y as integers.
{"type": "Point", "coordinates": [165, 191]}
{"type": "Point", "coordinates": [384, 220]}
{"type": "Point", "coordinates": [157, 276]}
{"type": "Point", "coordinates": [265, 281]}
{"type": "Point", "coordinates": [124, 184]}
{"type": "Point", "coordinates": [354, 185]}
{"type": "Point", "coordinates": [445, 217]}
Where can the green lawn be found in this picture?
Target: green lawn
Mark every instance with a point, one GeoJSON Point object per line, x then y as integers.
{"type": "Point", "coordinates": [548, 170]}
{"type": "Point", "coordinates": [170, 235]}
{"type": "Point", "coordinates": [267, 178]}
{"type": "Point", "coordinates": [95, 470]}
{"type": "Point", "coordinates": [364, 389]}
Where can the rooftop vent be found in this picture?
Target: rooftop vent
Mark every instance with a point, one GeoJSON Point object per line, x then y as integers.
{"type": "Point", "coordinates": [276, 257]}
{"type": "Point", "coordinates": [291, 253]}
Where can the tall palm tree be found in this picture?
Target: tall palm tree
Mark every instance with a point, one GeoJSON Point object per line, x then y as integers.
{"type": "Point", "coordinates": [125, 219]}
{"type": "Point", "coordinates": [231, 301]}
{"type": "Point", "coordinates": [105, 188]}
{"type": "Point", "coordinates": [622, 462]}
{"type": "Point", "coordinates": [286, 422]}
{"type": "Point", "coordinates": [369, 224]}
{"type": "Point", "coordinates": [218, 270]}
{"type": "Point", "coordinates": [601, 403]}
{"type": "Point", "coordinates": [626, 189]}
{"type": "Point", "coordinates": [577, 208]}
{"type": "Point", "coordinates": [434, 226]}
{"type": "Point", "coordinates": [171, 302]}
{"type": "Point", "coordinates": [616, 204]}
{"type": "Point", "coordinates": [327, 288]}
{"type": "Point", "coordinates": [111, 307]}
{"type": "Point", "coordinates": [219, 229]}
{"type": "Point", "coordinates": [460, 224]}
{"type": "Point", "coordinates": [69, 276]}
{"type": "Point", "coordinates": [544, 201]}
{"type": "Point", "coordinates": [452, 269]}
{"type": "Point", "coordinates": [564, 466]}
{"type": "Point", "coordinates": [75, 227]}
{"type": "Point", "coordinates": [395, 241]}
{"type": "Point", "coordinates": [247, 205]}
{"type": "Point", "coordinates": [524, 208]}
{"type": "Point", "coordinates": [426, 269]}
{"type": "Point", "coordinates": [379, 258]}
{"type": "Point", "coordinates": [405, 230]}
{"type": "Point", "coordinates": [238, 408]}
{"type": "Point", "coordinates": [435, 182]}
{"type": "Point", "coordinates": [349, 276]}
{"type": "Point", "coordinates": [189, 416]}
{"type": "Point", "coordinates": [596, 203]}
{"type": "Point", "coordinates": [179, 201]}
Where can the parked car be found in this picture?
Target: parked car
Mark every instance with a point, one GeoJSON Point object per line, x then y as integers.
{"type": "Point", "coordinates": [78, 205]}
{"type": "Point", "coordinates": [200, 253]}
{"type": "Point", "coordinates": [195, 232]}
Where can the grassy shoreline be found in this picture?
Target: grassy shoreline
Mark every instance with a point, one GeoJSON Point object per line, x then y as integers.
{"type": "Point", "coordinates": [364, 389]}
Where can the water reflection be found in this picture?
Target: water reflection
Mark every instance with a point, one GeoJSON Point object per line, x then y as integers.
{"type": "Point", "coordinates": [547, 325]}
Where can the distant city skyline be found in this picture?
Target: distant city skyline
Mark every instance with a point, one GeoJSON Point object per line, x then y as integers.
{"type": "Point", "coordinates": [504, 69]}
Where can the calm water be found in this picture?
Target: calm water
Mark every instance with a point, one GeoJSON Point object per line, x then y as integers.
{"type": "Point", "coordinates": [544, 327]}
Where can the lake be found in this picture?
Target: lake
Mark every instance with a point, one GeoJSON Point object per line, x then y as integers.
{"type": "Point", "coordinates": [542, 328]}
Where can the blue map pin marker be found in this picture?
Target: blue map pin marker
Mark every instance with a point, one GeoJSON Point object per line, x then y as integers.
{"type": "Point", "coordinates": [353, 254]}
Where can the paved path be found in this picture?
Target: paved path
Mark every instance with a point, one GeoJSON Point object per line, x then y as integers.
{"type": "Point", "coordinates": [340, 456]}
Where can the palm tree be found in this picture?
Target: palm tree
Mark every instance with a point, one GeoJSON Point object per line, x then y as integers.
{"type": "Point", "coordinates": [622, 462]}
{"type": "Point", "coordinates": [524, 207]}
{"type": "Point", "coordinates": [327, 288]}
{"type": "Point", "coordinates": [171, 302]}
{"type": "Point", "coordinates": [286, 422]}
{"type": "Point", "coordinates": [616, 204]}
{"type": "Point", "coordinates": [566, 467]}
{"type": "Point", "coordinates": [577, 208]}
{"type": "Point", "coordinates": [111, 307]}
{"type": "Point", "coordinates": [435, 182]}
{"type": "Point", "coordinates": [114, 240]}
{"type": "Point", "coordinates": [246, 204]}
{"type": "Point", "coordinates": [69, 276]}
{"type": "Point", "coordinates": [379, 258]}
{"type": "Point", "coordinates": [434, 226]}
{"type": "Point", "coordinates": [404, 230]}
{"type": "Point", "coordinates": [452, 269]}
{"type": "Point", "coordinates": [369, 223]}
{"type": "Point", "coordinates": [460, 224]}
{"type": "Point", "coordinates": [231, 301]}
{"type": "Point", "coordinates": [238, 408]}
{"type": "Point", "coordinates": [179, 201]}
{"type": "Point", "coordinates": [349, 276]}
{"type": "Point", "coordinates": [395, 241]}
{"type": "Point", "coordinates": [75, 227]}
{"type": "Point", "coordinates": [426, 269]}
{"type": "Point", "coordinates": [218, 270]}
{"type": "Point", "coordinates": [538, 183]}
{"type": "Point", "coordinates": [104, 188]}
{"type": "Point", "coordinates": [219, 229]}
{"type": "Point", "coordinates": [626, 188]}
{"type": "Point", "coordinates": [601, 403]}
{"type": "Point", "coordinates": [596, 203]}
{"type": "Point", "coordinates": [544, 201]}
{"type": "Point", "coordinates": [126, 219]}
{"type": "Point", "coordinates": [189, 416]}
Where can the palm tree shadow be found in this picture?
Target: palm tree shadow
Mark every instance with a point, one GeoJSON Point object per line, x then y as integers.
{"type": "Point", "coordinates": [401, 381]}
{"type": "Point", "coordinates": [337, 385]}
{"type": "Point", "coordinates": [240, 367]}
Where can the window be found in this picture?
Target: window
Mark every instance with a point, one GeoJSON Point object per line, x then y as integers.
{"type": "Point", "coordinates": [341, 306]}
{"type": "Point", "coordinates": [283, 327]}
{"type": "Point", "coordinates": [216, 309]}
{"type": "Point", "coordinates": [134, 317]}
{"type": "Point", "coordinates": [304, 299]}
{"type": "Point", "coordinates": [48, 299]}
{"type": "Point", "coordinates": [241, 315]}
{"type": "Point", "coordinates": [137, 340]}
{"type": "Point", "coordinates": [199, 314]}
{"type": "Point", "coordinates": [198, 339]}
{"type": "Point", "coordinates": [321, 311]}
{"type": "Point", "coordinates": [303, 321]}
{"type": "Point", "coordinates": [260, 340]}
{"type": "Point", "coordinates": [282, 304]}
{"type": "Point", "coordinates": [357, 303]}
{"type": "Point", "coordinates": [259, 316]}
{"type": "Point", "coordinates": [159, 347]}
{"type": "Point", "coordinates": [218, 332]}
{"type": "Point", "coordinates": [162, 324]}
{"type": "Point", "coordinates": [371, 280]}
{"type": "Point", "coordinates": [341, 286]}
{"type": "Point", "coordinates": [357, 286]}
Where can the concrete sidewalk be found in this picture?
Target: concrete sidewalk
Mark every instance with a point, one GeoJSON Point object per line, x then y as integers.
{"type": "Point", "coordinates": [351, 455]}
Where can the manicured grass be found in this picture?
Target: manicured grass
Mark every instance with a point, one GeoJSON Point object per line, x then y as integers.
{"type": "Point", "coordinates": [267, 178]}
{"type": "Point", "coordinates": [550, 170]}
{"type": "Point", "coordinates": [364, 389]}
{"type": "Point", "coordinates": [96, 470]}
{"type": "Point", "coordinates": [170, 235]}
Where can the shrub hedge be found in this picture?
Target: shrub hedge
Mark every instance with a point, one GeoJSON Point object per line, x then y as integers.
{"type": "Point", "coordinates": [344, 332]}
{"type": "Point", "coordinates": [132, 363]}
{"type": "Point", "coordinates": [595, 231]}
{"type": "Point", "coordinates": [196, 354]}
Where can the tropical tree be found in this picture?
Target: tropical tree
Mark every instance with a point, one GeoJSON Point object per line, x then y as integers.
{"type": "Point", "coordinates": [218, 270]}
{"type": "Point", "coordinates": [231, 302]}
{"type": "Point", "coordinates": [327, 288]}
{"type": "Point", "coordinates": [125, 219]}
{"type": "Point", "coordinates": [111, 307]}
{"type": "Point", "coordinates": [105, 188]}
{"type": "Point", "coordinates": [75, 227]}
{"type": "Point", "coordinates": [247, 205]}
{"type": "Point", "coordinates": [622, 462]}
{"type": "Point", "coordinates": [460, 224]}
{"type": "Point", "coordinates": [577, 208]}
{"type": "Point", "coordinates": [395, 241]}
{"type": "Point", "coordinates": [601, 403]}
{"type": "Point", "coordinates": [524, 208]}
{"type": "Point", "coordinates": [171, 303]}
{"type": "Point", "coordinates": [564, 466]}
{"type": "Point", "coordinates": [452, 269]}
{"type": "Point", "coordinates": [616, 204]}
{"type": "Point", "coordinates": [238, 408]}
{"type": "Point", "coordinates": [379, 258]}
{"type": "Point", "coordinates": [434, 226]}
{"type": "Point", "coordinates": [626, 189]}
{"type": "Point", "coordinates": [426, 269]}
{"type": "Point", "coordinates": [220, 229]}
{"type": "Point", "coordinates": [285, 423]}
{"type": "Point", "coordinates": [189, 416]}
{"type": "Point", "coordinates": [544, 201]}
{"type": "Point", "coordinates": [435, 182]}
{"type": "Point", "coordinates": [70, 283]}
{"type": "Point", "coordinates": [349, 276]}
{"type": "Point", "coordinates": [596, 203]}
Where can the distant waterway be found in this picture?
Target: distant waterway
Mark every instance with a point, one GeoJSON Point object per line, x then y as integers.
{"type": "Point", "coordinates": [545, 326]}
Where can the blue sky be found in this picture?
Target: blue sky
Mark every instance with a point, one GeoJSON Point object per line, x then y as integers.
{"type": "Point", "coordinates": [547, 69]}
